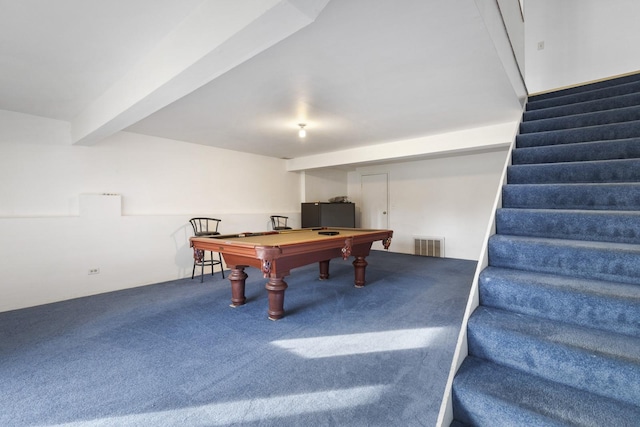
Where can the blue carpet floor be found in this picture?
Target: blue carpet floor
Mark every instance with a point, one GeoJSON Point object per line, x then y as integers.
{"type": "Point", "coordinates": [556, 338]}
{"type": "Point", "coordinates": [176, 354]}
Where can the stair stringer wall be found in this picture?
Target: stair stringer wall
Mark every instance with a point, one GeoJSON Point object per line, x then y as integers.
{"type": "Point", "coordinates": [445, 415]}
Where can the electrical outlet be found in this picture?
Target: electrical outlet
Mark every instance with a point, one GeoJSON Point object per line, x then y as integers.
{"type": "Point", "coordinates": [94, 271]}
{"type": "Point", "coordinates": [541, 45]}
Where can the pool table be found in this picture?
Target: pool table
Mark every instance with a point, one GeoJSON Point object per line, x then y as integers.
{"type": "Point", "coordinates": [275, 253]}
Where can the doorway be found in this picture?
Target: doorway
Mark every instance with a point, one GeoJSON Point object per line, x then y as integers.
{"type": "Point", "coordinates": [374, 209]}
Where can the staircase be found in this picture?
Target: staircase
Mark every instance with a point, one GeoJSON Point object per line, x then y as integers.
{"type": "Point", "coordinates": [556, 338]}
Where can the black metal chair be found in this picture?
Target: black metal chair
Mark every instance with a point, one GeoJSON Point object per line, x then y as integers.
{"type": "Point", "coordinates": [279, 222]}
{"type": "Point", "coordinates": [203, 227]}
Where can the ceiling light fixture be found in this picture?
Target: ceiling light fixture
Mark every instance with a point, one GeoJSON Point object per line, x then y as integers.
{"type": "Point", "coordinates": [302, 132]}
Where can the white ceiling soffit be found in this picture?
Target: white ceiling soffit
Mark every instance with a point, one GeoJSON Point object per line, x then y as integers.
{"type": "Point", "coordinates": [214, 38]}
{"type": "Point", "coordinates": [242, 74]}
{"type": "Point", "coordinates": [365, 72]}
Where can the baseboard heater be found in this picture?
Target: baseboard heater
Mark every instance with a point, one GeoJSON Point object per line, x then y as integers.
{"type": "Point", "coordinates": [429, 246]}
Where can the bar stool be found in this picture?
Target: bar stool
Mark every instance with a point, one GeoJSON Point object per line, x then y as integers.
{"type": "Point", "coordinates": [279, 222]}
{"type": "Point", "coordinates": [203, 227]}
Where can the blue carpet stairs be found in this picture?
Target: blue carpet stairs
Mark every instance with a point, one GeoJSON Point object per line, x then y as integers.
{"type": "Point", "coordinates": [556, 338]}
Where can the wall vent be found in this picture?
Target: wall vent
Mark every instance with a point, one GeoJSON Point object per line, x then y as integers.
{"type": "Point", "coordinates": [429, 246]}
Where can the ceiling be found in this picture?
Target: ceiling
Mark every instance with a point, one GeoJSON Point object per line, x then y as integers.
{"type": "Point", "coordinates": [356, 72]}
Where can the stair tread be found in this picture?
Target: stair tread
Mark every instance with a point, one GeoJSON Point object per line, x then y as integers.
{"type": "Point", "coordinates": [595, 196]}
{"type": "Point", "coordinates": [578, 151]}
{"type": "Point", "coordinates": [605, 344]}
{"type": "Point", "coordinates": [570, 224]}
{"type": "Point", "coordinates": [613, 246]}
{"type": "Point", "coordinates": [600, 162]}
{"type": "Point", "coordinates": [600, 362]}
{"type": "Point", "coordinates": [592, 171]}
{"type": "Point", "coordinates": [604, 288]}
{"type": "Point", "coordinates": [582, 107]}
{"type": "Point", "coordinates": [567, 98]}
{"type": "Point", "coordinates": [594, 118]}
{"type": "Point", "coordinates": [598, 304]}
{"type": "Point", "coordinates": [618, 262]}
{"type": "Point", "coordinates": [518, 398]}
{"type": "Point", "coordinates": [630, 214]}
{"type": "Point", "coordinates": [599, 184]}
{"type": "Point", "coordinates": [613, 131]}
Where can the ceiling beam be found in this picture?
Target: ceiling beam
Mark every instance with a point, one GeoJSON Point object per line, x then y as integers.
{"type": "Point", "coordinates": [216, 37]}
{"type": "Point", "coordinates": [451, 143]}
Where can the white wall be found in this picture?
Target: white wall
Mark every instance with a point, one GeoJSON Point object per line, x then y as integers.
{"type": "Point", "coordinates": [155, 177]}
{"type": "Point", "coordinates": [448, 197]}
{"type": "Point", "coordinates": [584, 40]}
{"type": "Point", "coordinates": [47, 248]}
{"type": "Point", "coordinates": [322, 184]}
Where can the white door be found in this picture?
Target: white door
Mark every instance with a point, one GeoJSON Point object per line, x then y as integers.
{"type": "Point", "coordinates": [374, 209]}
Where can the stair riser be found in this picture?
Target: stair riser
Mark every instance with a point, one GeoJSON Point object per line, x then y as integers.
{"type": "Point", "coordinates": [597, 226]}
{"type": "Point", "coordinates": [578, 261]}
{"type": "Point", "coordinates": [585, 306]}
{"type": "Point", "coordinates": [587, 151]}
{"type": "Point", "coordinates": [624, 197]}
{"type": "Point", "coordinates": [611, 377]}
{"type": "Point", "coordinates": [578, 172]}
{"type": "Point", "coordinates": [620, 115]}
{"type": "Point", "coordinates": [570, 136]}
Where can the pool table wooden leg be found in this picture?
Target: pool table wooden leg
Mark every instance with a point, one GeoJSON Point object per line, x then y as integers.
{"type": "Point", "coordinates": [324, 269]}
{"type": "Point", "coordinates": [359, 266]}
{"type": "Point", "coordinates": [237, 279]}
{"type": "Point", "coordinates": [276, 287]}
